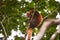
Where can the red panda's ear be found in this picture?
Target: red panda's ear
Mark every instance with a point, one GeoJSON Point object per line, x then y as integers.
{"type": "Point", "coordinates": [27, 14]}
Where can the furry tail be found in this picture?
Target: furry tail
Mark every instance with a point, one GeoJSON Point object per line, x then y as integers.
{"type": "Point", "coordinates": [29, 34]}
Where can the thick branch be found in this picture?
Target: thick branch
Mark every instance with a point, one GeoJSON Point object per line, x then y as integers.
{"type": "Point", "coordinates": [56, 33]}
{"type": "Point", "coordinates": [45, 26]}
{"type": "Point", "coordinates": [54, 36]}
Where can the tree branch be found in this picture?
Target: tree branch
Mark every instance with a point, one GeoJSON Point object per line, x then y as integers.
{"type": "Point", "coordinates": [4, 27]}
{"type": "Point", "coordinates": [56, 33]}
{"type": "Point", "coordinates": [54, 36]}
{"type": "Point", "coordinates": [50, 14]}
{"type": "Point", "coordinates": [46, 17]}
{"type": "Point", "coordinates": [45, 26]}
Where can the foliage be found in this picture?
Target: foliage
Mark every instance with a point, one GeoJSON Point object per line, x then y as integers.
{"type": "Point", "coordinates": [14, 10]}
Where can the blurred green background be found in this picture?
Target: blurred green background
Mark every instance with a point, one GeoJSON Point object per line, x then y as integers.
{"type": "Point", "coordinates": [14, 11]}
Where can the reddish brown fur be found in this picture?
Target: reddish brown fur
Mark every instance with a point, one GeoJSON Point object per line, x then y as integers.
{"type": "Point", "coordinates": [29, 32]}
{"type": "Point", "coordinates": [34, 21]}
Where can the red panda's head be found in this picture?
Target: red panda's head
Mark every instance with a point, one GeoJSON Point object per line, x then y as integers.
{"type": "Point", "coordinates": [29, 13]}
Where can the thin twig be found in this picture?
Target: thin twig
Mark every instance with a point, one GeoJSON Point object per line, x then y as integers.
{"type": "Point", "coordinates": [4, 29]}
{"type": "Point", "coordinates": [4, 26]}
{"type": "Point", "coordinates": [3, 18]}
{"type": "Point", "coordinates": [50, 14]}
{"type": "Point", "coordinates": [46, 17]}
